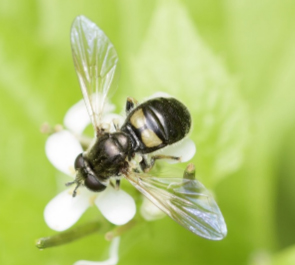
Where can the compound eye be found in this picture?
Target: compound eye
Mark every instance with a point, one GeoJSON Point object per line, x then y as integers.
{"type": "Point", "coordinates": [79, 162]}
{"type": "Point", "coordinates": [92, 183]}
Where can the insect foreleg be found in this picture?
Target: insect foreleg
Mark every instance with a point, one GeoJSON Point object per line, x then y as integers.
{"type": "Point", "coordinates": [78, 184]}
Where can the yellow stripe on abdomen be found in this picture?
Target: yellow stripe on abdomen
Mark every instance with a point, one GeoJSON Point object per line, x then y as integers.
{"type": "Point", "coordinates": [138, 119]}
{"type": "Point", "coordinates": [150, 139]}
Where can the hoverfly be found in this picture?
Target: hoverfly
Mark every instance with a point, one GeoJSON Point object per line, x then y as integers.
{"type": "Point", "coordinates": [148, 127]}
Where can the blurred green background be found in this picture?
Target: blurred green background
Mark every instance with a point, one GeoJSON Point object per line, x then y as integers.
{"type": "Point", "coordinates": [231, 62]}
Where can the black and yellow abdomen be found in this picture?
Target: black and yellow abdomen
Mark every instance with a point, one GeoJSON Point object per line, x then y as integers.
{"type": "Point", "coordinates": [157, 123]}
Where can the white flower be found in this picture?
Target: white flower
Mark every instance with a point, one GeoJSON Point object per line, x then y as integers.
{"type": "Point", "coordinates": [62, 148]}
{"type": "Point", "coordinates": [149, 211]}
{"type": "Point", "coordinates": [117, 206]}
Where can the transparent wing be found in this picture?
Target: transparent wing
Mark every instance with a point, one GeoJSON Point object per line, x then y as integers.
{"type": "Point", "coordinates": [96, 63]}
{"type": "Point", "coordinates": [186, 201]}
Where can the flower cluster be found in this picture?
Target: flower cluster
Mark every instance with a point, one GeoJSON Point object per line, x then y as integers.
{"type": "Point", "coordinates": [117, 206]}
{"type": "Point", "coordinates": [62, 148]}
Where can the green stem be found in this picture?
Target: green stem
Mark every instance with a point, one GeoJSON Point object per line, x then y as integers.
{"type": "Point", "coordinates": [189, 172]}
{"type": "Point", "coordinates": [72, 234]}
{"type": "Point", "coordinates": [119, 230]}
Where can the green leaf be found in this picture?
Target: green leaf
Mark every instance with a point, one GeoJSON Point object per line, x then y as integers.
{"type": "Point", "coordinates": [174, 59]}
{"type": "Point", "coordinates": [285, 257]}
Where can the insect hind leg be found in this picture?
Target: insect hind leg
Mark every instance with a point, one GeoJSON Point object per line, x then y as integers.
{"type": "Point", "coordinates": [131, 103]}
{"type": "Point", "coordinates": [116, 125]}
{"type": "Point", "coordinates": [147, 166]}
{"type": "Point", "coordinates": [116, 186]}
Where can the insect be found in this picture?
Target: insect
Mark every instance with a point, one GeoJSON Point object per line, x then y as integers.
{"type": "Point", "coordinates": [148, 127]}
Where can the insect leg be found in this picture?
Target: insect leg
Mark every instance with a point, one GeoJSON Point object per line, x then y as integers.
{"type": "Point", "coordinates": [117, 185]}
{"type": "Point", "coordinates": [118, 181]}
{"type": "Point", "coordinates": [76, 188]}
{"type": "Point", "coordinates": [131, 103]}
{"type": "Point", "coordinates": [116, 125]}
{"type": "Point", "coordinates": [147, 166]}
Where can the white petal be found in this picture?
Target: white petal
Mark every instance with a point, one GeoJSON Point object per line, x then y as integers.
{"type": "Point", "coordinates": [77, 118]}
{"type": "Point", "coordinates": [186, 150]}
{"type": "Point", "coordinates": [98, 99]}
{"type": "Point", "coordinates": [160, 94]}
{"type": "Point", "coordinates": [117, 206]}
{"type": "Point", "coordinates": [64, 210]}
{"type": "Point", "coordinates": [112, 118]}
{"type": "Point", "coordinates": [149, 211]}
{"type": "Point", "coordinates": [113, 252]}
{"type": "Point", "coordinates": [62, 148]}
{"type": "Point", "coordinates": [108, 107]}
